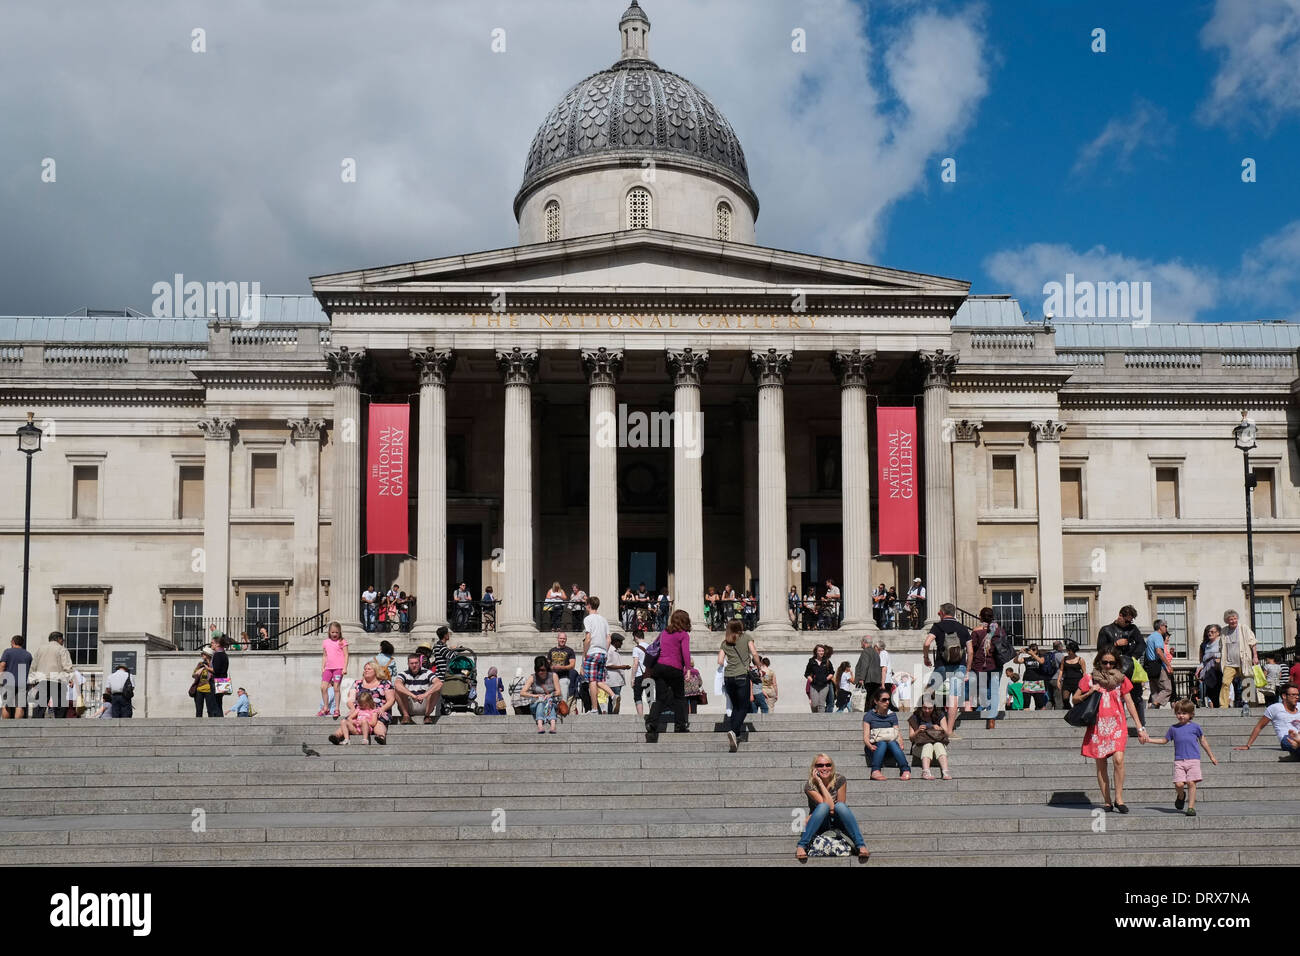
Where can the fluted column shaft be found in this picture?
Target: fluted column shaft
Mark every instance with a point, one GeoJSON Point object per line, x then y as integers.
{"type": "Point", "coordinates": [216, 516]}
{"type": "Point", "coordinates": [602, 367]}
{"type": "Point", "coordinates": [306, 514]}
{"type": "Point", "coordinates": [769, 368]}
{"type": "Point", "coordinates": [1051, 559]}
{"type": "Point", "coordinates": [687, 367]}
{"type": "Point", "coordinates": [940, 531]}
{"type": "Point", "coordinates": [431, 585]}
{"type": "Point", "coordinates": [345, 573]}
{"type": "Point", "coordinates": [966, 513]}
{"type": "Point", "coordinates": [852, 369]}
{"type": "Point", "coordinates": [516, 614]}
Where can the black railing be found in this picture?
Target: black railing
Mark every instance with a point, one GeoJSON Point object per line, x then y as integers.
{"type": "Point", "coordinates": [901, 615]}
{"type": "Point", "coordinates": [1040, 629]}
{"type": "Point", "coordinates": [814, 614]}
{"type": "Point", "coordinates": [255, 631]}
{"type": "Point", "coordinates": [380, 618]}
{"type": "Point", "coordinates": [306, 627]}
{"type": "Point", "coordinates": [719, 612]}
{"type": "Point", "coordinates": [640, 617]}
{"type": "Point", "coordinates": [472, 616]}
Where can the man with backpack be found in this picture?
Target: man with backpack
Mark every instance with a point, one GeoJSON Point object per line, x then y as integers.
{"type": "Point", "coordinates": [1124, 638]}
{"type": "Point", "coordinates": [949, 637]}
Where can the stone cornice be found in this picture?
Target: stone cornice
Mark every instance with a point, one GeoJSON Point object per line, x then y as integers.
{"type": "Point", "coordinates": [67, 394]}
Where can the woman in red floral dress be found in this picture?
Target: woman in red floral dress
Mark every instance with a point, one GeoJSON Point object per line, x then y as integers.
{"type": "Point", "coordinates": [1108, 736]}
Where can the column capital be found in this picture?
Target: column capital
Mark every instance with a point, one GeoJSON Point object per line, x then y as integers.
{"type": "Point", "coordinates": [305, 429]}
{"type": "Point", "coordinates": [1048, 431]}
{"type": "Point", "coordinates": [345, 363]}
{"type": "Point", "coordinates": [435, 365]}
{"type": "Point", "coordinates": [518, 367]}
{"type": "Point", "coordinates": [965, 430]}
{"type": "Point", "coordinates": [216, 429]}
{"type": "Point", "coordinates": [687, 366]}
{"type": "Point", "coordinates": [939, 367]}
{"type": "Point", "coordinates": [602, 366]}
{"type": "Point", "coordinates": [852, 368]}
{"type": "Point", "coordinates": [769, 367]}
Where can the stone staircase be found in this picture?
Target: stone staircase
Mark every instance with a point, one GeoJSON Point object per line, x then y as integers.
{"type": "Point", "coordinates": [481, 790]}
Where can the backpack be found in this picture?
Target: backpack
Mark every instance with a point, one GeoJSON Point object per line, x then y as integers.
{"type": "Point", "coordinates": [1003, 650]}
{"type": "Point", "coordinates": [1048, 667]}
{"type": "Point", "coordinates": [652, 652]}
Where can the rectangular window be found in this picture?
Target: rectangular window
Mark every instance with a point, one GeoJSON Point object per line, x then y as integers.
{"type": "Point", "coordinates": [1071, 493]}
{"type": "Point", "coordinates": [1173, 611]}
{"type": "Point", "coordinates": [263, 473]}
{"type": "Point", "coordinates": [1270, 627]}
{"type": "Point", "coordinates": [262, 609]}
{"type": "Point", "coordinates": [1004, 481]}
{"type": "Point", "coordinates": [81, 631]}
{"type": "Point", "coordinates": [1075, 627]}
{"type": "Point", "coordinates": [191, 492]}
{"type": "Point", "coordinates": [1167, 493]}
{"type": "Point", "coordinates": [1262, 497]}
{"type": "Point", "coordinates": [85, 491]}
{"type": "Point", "coordinates": [1009, 611]}
{"type": "Point", "coordinates": [187, 624]}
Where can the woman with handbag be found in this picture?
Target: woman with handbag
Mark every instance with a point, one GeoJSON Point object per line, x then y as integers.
{"type": "Point", "coordinates": [1107, 734]}
{"type": "Point", "coordinates": [494, 697]}
{"type": "Point", "coordinates": [201, 685]}
{"type": "Point", "coordinates": [220, 675]}
{"type": "Point", "coordinates": [827, 792]}
{"type": "Point", "coordinates": [542, 691]}
{"type": "Point", "coordinates": [880, 738]}
{"type": "Point", "coordinates": [1210, 674]}
{"type": "Point", "coordinates": [984, 676]}
{"type": "Point", "coordinates": [928, 734]}
{"type": "Point", "coordinates": [669, 673]}
{"type": "Point", "coordinates": [1033, 683]}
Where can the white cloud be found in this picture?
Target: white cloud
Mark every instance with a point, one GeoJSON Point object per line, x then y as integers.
{"type": "Point", "coordinates": [1269, 277]}
{"type": "Point", "coordinates": [1259, 68]}
{"type": "Point", "coordinates": [1146, 127]}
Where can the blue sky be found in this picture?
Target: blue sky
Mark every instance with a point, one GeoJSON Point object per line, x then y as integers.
{"type": "Point", "coordinates": [224, 165]}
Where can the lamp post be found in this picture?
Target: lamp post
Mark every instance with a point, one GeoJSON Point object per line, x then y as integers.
{"type": "Point", "coordinates": [1244, 435]}
{"type": "Point", "coordinates": [29, 443]}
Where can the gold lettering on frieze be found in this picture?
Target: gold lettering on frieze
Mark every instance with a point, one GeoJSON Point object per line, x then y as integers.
{"type": "Point", "coordinates": [757, 323]}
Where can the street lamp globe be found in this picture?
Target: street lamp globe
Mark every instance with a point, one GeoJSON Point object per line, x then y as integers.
{"type": "Point", "coordinates": [29, 437]}
{"type": "Point", "coordinates": [1295, 597]}
{"type": "Point", "coordinates": [1244, 434]}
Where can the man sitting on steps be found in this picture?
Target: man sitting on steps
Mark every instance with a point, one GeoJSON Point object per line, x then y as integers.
{"type": "Point", "coordinates": [418, 690]}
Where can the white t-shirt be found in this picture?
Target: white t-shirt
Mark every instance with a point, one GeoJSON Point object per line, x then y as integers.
{"type": "Point", "coordinates": [598, 628]}
{"type": "Point", "coordinates": [846, 682]}
{"type": "Point", "coordinates": [884, 668]}
{"type": "Point", "coordinates": [369, 596]}
{"type": "Point", "coordinates": [903, 691]}
{"type": "Point", "coordinates": [614, 678]}
{"type": "Point", "coordinates": [638, 659]}
{"type": "Point", "coordinates": [1283, 720]}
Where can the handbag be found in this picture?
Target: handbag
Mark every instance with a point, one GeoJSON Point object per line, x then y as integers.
{"type": "Point", "coordinates": [222, 686]}
{"type": "Point", "coordinates": [1084, 713]}
{"type": "Point", "coordinates": [858, 700]}
{"type": "Point", "coordinates": [1138, 674]}
{"type": "Point", "coordinates": [880, 735]}
{"type": "Point", "coordinates": [562, 708]}
{"type": "Point", "coordinates": [1260, 679]}
{"type": "Point", "coordinates": [194, 688]}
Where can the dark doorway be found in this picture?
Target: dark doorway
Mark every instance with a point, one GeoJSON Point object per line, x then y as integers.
{"type": "Point", "coordinates": [823, 546]}
{"type": "Point", "coordinates": [464, 560]}
{"type": "Point", "coordinates": [643, 559]}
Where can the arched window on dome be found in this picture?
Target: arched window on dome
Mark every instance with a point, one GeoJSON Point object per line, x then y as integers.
{"type": "Point", "coordinates": [722, 229]}
{"type": "Point", "coordinates": [638, 208]}
{"type": "Point", "coordinates": [553, 221]}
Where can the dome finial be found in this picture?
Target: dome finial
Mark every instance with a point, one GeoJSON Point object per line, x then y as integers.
{"type": "Point", "coordinates": [635, 29]}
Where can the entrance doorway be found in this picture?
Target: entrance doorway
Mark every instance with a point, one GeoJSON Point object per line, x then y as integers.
{"type": "Point", "coordinates": [643, 559]}
{"type": "Point", "coordinates": [823, 546]}
{"type": "Point", "coordinates": [464, 561]}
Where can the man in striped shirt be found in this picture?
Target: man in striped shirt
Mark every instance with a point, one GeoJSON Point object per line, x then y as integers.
{"type": "Point", "coordinates": [417, 690]}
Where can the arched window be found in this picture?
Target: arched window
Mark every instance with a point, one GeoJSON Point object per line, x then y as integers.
{"type": "Point", "coordinates": [723, 228]}
{"type": "Point", "coordinates": [638, 208]}
{"type": "Point", "coordinates": [552, 221]}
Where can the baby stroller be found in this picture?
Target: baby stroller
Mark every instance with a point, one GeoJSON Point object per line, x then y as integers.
{"type": "Point", "coordinates": [460, 686]}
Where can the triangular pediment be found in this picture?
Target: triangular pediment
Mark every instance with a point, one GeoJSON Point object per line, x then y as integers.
{"type": "Point", "coordinates": [637, 260]}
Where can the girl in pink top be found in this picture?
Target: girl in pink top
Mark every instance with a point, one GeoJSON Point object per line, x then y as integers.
{"type": "Point", "coordinates": [363, 718]}
{"type": "Point", "coordinates": [333, 664]}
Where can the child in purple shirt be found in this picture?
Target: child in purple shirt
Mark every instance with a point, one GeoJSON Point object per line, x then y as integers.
{"type": "Point", "coordinates": [1186, 735]}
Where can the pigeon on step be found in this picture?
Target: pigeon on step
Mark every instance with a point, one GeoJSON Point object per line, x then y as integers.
{"type": "Point", "coordinates": [308, 751]}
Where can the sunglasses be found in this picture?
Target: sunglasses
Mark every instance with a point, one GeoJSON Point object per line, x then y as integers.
{"type": "Point", "coordinates": [1107, 663]}
{"type": "Point", "coordinates": [821, 766]}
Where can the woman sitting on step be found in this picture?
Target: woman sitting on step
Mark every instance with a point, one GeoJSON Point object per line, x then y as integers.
{"type": "Point", "coordinates": [827, 793]}
{"type": "Point", "coordinates": [542, 692]}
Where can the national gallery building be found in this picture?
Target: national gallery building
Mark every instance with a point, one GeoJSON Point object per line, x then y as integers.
{"type": "Point", "coordinates": [200, 470]}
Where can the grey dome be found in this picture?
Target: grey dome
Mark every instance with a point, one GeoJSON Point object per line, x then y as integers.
{"type": "Point", "coordinates": [636, 110]}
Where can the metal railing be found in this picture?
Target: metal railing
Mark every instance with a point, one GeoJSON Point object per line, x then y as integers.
{"type": "Point", "coordinates": [378, 619]}
{"type": "Point", "coordinates": [243, 632]}
{"type": "Point", "coordinates": [472, 616]}
{"type": "Point", "coordinates": [640, 617]}
{"type": "Point", "coordinates": [306, 627]}
{"type": "Point", "coordinates": [1040, 629]}
{"type": "Point", "coordinates": [818, 614]}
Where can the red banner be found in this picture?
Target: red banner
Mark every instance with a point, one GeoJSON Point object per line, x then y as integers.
{"type": "Point", "coordinates": [896, 453]}
{"type": "Point", "coordinates": [386, 479]}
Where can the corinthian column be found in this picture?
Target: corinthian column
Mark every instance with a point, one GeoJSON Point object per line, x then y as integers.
{"type": "Point", "coordinates": [603, 368]}
{"type": "Point", "coordinates": [940, 534]}
{"type": "Point", "coordinates": [769, 369]}
{"type": "Point", "coordinates": [518, 369]}
{"type": "Point", "coordinates": [686, 367]}
{"type": "Point", "coordinates": [1051, 560]}
{"type": "Point", "coordinates": [216, 516]}
{"type": "Point", "coordinates": [431, 590]}
{"type": "Point", "coordinates": [306, 514]}
{"type": "Point", "coordinates": [966, 513]}
{"type": "Point", "coordinates": [852, 369]}
{"type": "Point", "coordinates": [345, 572]}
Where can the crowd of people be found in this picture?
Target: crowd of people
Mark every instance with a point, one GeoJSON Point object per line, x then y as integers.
{"type": "Point", "coordinates": [390, 611]}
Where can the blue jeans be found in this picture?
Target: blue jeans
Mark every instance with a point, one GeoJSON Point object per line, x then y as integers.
{"type": "Point", "coordinates": [985, 687]}
{"type": "Point", "coordinates": [822, 819]}
{"type": "Point", "coordinates": [760, 703]}
{"type": "Point", "coordinates": [369, 615]}
{"type": "Point", "coordinates": [951, 675]}
{"type": "Point", "coordinates": [884, 749]}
